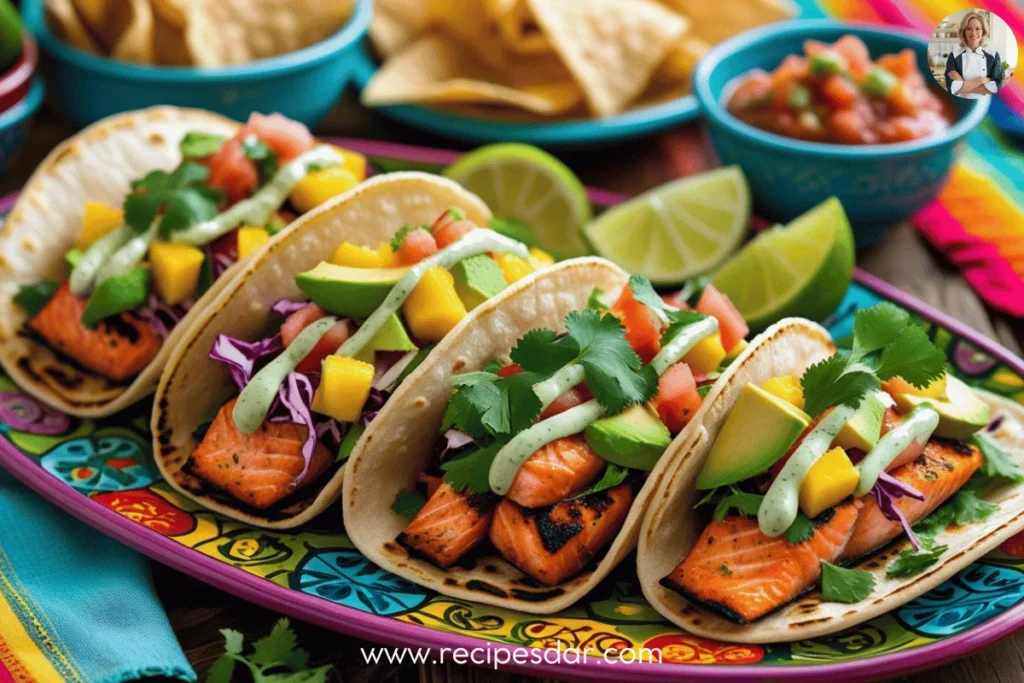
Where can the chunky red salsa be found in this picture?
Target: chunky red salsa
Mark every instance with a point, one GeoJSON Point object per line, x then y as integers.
{"type": "Point", "coordinates": [836, 93]}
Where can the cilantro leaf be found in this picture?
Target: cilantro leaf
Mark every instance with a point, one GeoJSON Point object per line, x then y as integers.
{"type": "Point", "coordinates": [275, 647]}
{"type": "Point", "coordinates": [744, 503]}
{"type": "Point", "coordinates": [801, 530]}
{"type": "Point", "coordinates": [408, 503]}
{"type": "Point", "coordinates": [964, 507]}
{"type": "Point", "coordinates": [232, 641]}
{"type": "Point", "coordinates": [711, 497]}
{"type": "Point", "coordinates": [910, 563]}
{"type": "Point", "coordinates": [472, 407]}
{"type": "Point", "coordinates": [876, 327]}
{"type": "Point", "coordinates": [612, 477]}
{"type": "Point", "coordinates": [595, 301]}
{"type": "Point", "coordinates": [613, 370]}
{"type": "Point", "coordinates": [198, 144]}
{"type": "Point", "coordinates": [181, 196]}
{"type": "Point", "coordinates": [492, 366]}
{"type": "Point", "coordinates": [643, 292]}
{"type": "Point", "coordinates": [514, 229]}
{"type": "Point", "coordinates": [831, 382]}
{"type": "Point", "coordinates": [396, 242]}
{"type": "Point", "coordinates": [912, 356]}
{"type": "Point", "coordinates": [456, 213]}
{"type": "Point", "coordinates": [484, 404]}
{"type": "Point", "coordinates": [997, 466]}
{"type": "Point", "coordinates": [677, 320]}
{"type": "Point", "coordinates": [222, 671]}
{"type": "Point", "coordinates": [34, 296]}
{"type": "Point", "coordinates": [544, 352]}
{"type": "Point", "coordinates": [261, 154]}
{"type": "Point", "coordinates": [471, 471]}
{"type": "Point", "coordinates": [845, 585]}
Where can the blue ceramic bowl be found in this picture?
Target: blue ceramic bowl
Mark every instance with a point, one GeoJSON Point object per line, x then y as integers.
{"type": "Point", "coordinates": [879, 185]}
{"type": "Point", "coordinates": [16, 122]}
{"type": "Point", "coordinates": [302, 85]}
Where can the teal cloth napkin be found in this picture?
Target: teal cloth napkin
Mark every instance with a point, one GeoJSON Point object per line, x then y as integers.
{"type": "Point", "coordinates": [85, 600]}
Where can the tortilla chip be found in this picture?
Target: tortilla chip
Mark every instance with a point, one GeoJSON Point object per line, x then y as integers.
{"type": "Point", "coordinates": [437, 69]}
{"type": "Point", "coordinates": [518, 28]}
{"type": "Point", "coordinates": [713, 22]}
{"type": "Point", "coordinates": [135, 42]}
{"type": "Point", "coordinates": [170, 11]}
{"type": "Point", "coordinates": [68, 26]}
{"type": "Point", "coordinates": [169, 41]}
{"type": "Point", "coordinates": [680, 61]}
{"type": "Point", "coordinates": [222, 32]}
{"type": "Point", "coordinates": [396, 23]}
{"type": "Point", "coordinates": [612, 47]}
{"type": "Point", "coordinates": [469, 21]}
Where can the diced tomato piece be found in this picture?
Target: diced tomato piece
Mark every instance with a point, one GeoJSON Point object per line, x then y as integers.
{"type": "Point", "coordinates": [510, 369]}
{"type": "Point", "coordinates": [903, 99]}
{"type": "Point", "coordinates": [731, 324]}
{"type": "Point", "coordinates": [286, 137]}
{"type": "Point", "coordinates": [853, 50]}
{"type": "Point", "coordinates": [848, 126]}
{"type": "Point", "coordinates": [839, 92]}
{"type": "Point", "coordinates": [328, 344]}
{"type": "Point", "coordinates": [417, 245]}
{"type": "Point", "coordinates": [812, 48]}
{"type": "Point", "coordinates": [674, 301]}
{"type": "Point", "coordinates": [677, 400]}
{"type": "Point", "coordinates": [793, 70]}
{"type": "Point", "coordinates": [232, 171]}
{"type": "Point", "coordinates": [452, 231]}
{"type": "Point", "coordinates": [903, 63]}
{"type": "Point", "coordinates": [570, 399]}
{"type": "Point", "coordinates": [643, 329]}
{"type": "Point", "coordinates": [752, 92]}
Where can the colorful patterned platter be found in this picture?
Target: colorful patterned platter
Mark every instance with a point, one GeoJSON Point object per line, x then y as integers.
{"type": "Point", "coordinates": [101, 472]}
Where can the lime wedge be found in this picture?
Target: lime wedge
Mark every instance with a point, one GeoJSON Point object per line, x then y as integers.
{"type": "Point", "coordinates": [529, 185]}
{"type": "Point", "coordinates": [803, 269]}
{"type": "Point", "coordinates": [675, 231]}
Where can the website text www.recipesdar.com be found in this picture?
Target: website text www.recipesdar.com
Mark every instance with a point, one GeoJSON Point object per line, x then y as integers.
{"type": "Point", "coordinates": [498, 656]}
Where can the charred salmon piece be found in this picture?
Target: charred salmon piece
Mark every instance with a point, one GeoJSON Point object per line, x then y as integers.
{"type": "Point", "coordinates": [737, 571]}
{"type": "Point", "coordinates": [938, 473]}
{"type": "Point", "coordinates": [118, 348]}
{"type": "Point", "coordinates": [561, 468]}
{"type": "Point", "coordinates": [553, 544]}
{"type": "Point", "coordinates": [448, 526]}
{"type": "Point", "coordinates": [259, 469]}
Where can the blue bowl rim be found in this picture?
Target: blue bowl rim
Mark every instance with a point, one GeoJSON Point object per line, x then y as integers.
{"type": "Point", "coordinates": [26, 107]}
{"type": "Point", "coordinates": [347, 36]}
{"type": "Point", "coordinates": [717, 114]}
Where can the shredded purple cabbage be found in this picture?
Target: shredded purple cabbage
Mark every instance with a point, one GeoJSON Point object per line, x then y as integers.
{"type": "Point", "coordinates": [161, 317]}
{"type": "Point", "coordinates": [220, 263]}
{"type": "Point", "coordinates": [374, 403]}
{"type": "Point", "coordinates": [296, 395]}
{"type": "Point", "coordinates": [285, 307]}
{"type": "Point", "coordinates": [241, 356]}
{"type": "Point", "coordinates": [384, 361]}
{"type": "Point", "coordinates": [454, 440]}
{"type": "Point", "coordinates": [887, 490]}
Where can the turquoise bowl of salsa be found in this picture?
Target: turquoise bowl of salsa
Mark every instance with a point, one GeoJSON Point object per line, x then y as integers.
{"type": "Point", "coordinates": [791, 166]}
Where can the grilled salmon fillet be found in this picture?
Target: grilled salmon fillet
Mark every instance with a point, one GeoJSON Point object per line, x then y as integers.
{"type": "Point", "coordinates": [737, 571]}
{"type": "Point", "coordinates": [119, 347]}
{"type": "Point", "coordinates": [554, 472]}
{"type": "Point", "coordinates": [552, 544]}
{"type": "Point", "coordinates": [259, 469]}
{"type": "Point", "coordinates": [943, 468]}
{"type": "Point", "coordinates": [448, 526]}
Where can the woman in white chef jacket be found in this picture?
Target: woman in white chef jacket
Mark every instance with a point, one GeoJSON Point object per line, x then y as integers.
{"type": "Point", "coordinates": [971, 71]}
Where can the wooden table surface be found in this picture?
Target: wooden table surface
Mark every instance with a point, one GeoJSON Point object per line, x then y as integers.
{"type": "Point", "coordinates": [198, 611]}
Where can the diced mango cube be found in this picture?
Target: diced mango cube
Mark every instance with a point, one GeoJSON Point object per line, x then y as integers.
{"type": "Point", "coordinates": [733, 353]}
{"type": "Point", "coordinates": [388, 257]}
{"type": "Point", "coordinates": [513, 267]}
{"type": "Point", "coordinates": [706, 356]}
{"type": "Point", "coordinates": [355, 163]}
{"type": "Point", "coordinates": [786, 387]}
{"type": "Point", "coordinates": [354, 256]}
{"type": "Point", "coordinates": [540, 258]}
{"type": "Point", "coordinates": [344, 387]}
{"type": "Point", "coordinates": [250, 240]}
{"type": "Point", "coordinates": [831, 479]}
{"type": "Point", "coordinates": [316, 187]}
{"type": "Point", "coordinates": [176, 268]}
{"type": "Point", "coordinates": [898, 385]}
{"type": "Point", "coordinates": [433, 307]}
{"type": "Point", "coordinates": [99, 219]}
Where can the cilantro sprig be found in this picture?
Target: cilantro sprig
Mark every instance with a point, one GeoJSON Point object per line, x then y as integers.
{"type": "Point", "coordinates": [676, 319]}
{"type": "Point", "coordinates": [182, 197]}
{"type": "Point", "coordinates": [275, 658]}
{"type": "Point", "coordinates": [471, 471]}
{"type": "Point", "coordinates": [484, 405]}
{"type": "Point", "coordinates": [748, 504]}
{"type": "Point", "coordinates": [408, 503]}
{"type": "Point", "coordinates": [845, 585]}
{"type": "Point", "coordinates": [885, 344]}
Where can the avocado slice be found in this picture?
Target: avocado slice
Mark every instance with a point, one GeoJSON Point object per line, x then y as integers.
{"type": "Point", "coordinates": [865, 429]}
{"type": "Point", "coordinates": [116, 295]}
{"type": "Point", "coordinates": [390, 337]}
{"type": "Point", "coordinates": [347, 291]}
{"type": "Point", "coordinates": [634, 438]}
{"type": "Point", "coordinates": [759, 431]}
{"type": "Point", "coordinates": [961, 413]}
{"type": "Point", "coordinates": [477, 279]}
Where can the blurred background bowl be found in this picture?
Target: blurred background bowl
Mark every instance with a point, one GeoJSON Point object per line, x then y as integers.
{"type": "Point", "coordinates": [878, 185]}
{"type": "Point", "coordinates": [303, 85]}
{"type": "Point", "coordinates": [14, 84]}
{"type": "Point", "coordinates": [16, 122]}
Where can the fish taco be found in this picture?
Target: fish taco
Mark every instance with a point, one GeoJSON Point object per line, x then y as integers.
{"type": "Point", "coordinates": [825, 488]}
{"type": "Point", "coordinates": [265, 399]}
{"type": "Point", "coordinates": [514, 468]}
{"type": "Point", "coordinates": [128, 229]}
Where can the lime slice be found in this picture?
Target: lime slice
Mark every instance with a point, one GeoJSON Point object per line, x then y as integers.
{"type": "Point", "coordinates": [678, 230]}
{"type": "Point", "coordinates": [803, 269]}
{"type": "Point", "coordinates": [527, 184]}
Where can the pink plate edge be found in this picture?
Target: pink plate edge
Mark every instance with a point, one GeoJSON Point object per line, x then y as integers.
{"type": "Point", "coordinates": [390, 631]}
